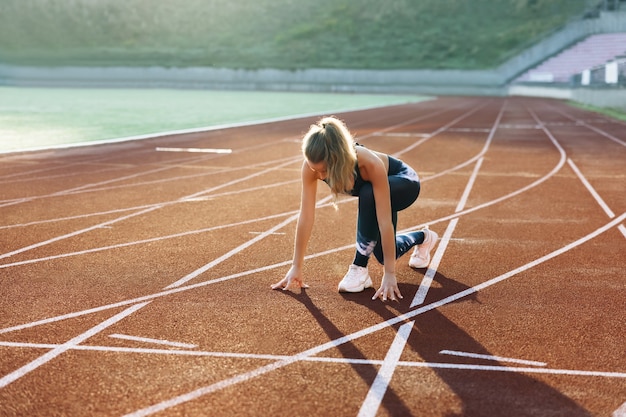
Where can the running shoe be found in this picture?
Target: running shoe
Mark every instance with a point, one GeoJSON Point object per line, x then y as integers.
{"type": "Point", "coordinates": [356, 280]}
{"type": "Point", "coordinates": [420, 258]}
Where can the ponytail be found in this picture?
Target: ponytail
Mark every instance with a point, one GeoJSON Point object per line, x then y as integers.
{"type": "Point", "coordinates": [330, 141]}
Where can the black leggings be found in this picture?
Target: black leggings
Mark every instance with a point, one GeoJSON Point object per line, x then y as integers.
{"type": "Point", "coordinates": [404, 188]}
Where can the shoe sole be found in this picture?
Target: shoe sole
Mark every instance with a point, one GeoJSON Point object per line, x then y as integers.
{"type": "Point", "coordinates": [431, 245]}
{"type": "Point", "coordinates": [367, 284]}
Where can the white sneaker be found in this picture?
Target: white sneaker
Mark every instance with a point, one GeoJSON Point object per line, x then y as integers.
{"type": "Point", "coordinates": [356, 280]}
{"type": "Point", "coordinates": [420, 258]}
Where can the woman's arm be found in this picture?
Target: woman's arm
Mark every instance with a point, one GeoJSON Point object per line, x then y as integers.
{"type": "Point", "coordinates": [307, 214]}
{"type": "Point", "coordinates": [374, 170]}
{"type": "Point", "coordinates": [303, 229]}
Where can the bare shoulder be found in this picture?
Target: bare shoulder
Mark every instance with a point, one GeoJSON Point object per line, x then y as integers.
{"type": "Point", "coordinates": [307, 174]}
{"type": "Point", "coordinates": [371, 162]}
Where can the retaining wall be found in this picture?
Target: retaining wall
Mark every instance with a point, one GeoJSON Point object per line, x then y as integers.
{"type": "Point", "coordinates": [599, 97]}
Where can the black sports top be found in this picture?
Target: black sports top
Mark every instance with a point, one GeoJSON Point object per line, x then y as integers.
{"type": "Point", "coordinates": [395, 166]}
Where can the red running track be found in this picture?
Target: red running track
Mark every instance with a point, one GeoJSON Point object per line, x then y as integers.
{"type": "Point", "coordinates": [136, 281]}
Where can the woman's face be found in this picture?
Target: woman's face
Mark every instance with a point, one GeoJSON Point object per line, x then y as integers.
{"type": "Point", "coordinates": [319, 168]}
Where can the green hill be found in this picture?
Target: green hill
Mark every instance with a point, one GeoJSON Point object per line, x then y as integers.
{"type": "Point", "coordinates": [285, 34]}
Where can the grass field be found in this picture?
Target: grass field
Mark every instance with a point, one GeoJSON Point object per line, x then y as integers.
{"type": "Point", "coordinates": [284, 34]}
{"type": "Point", "coordinates": [44, 117]}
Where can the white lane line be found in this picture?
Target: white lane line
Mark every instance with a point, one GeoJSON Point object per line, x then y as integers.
{"type": "Point", "coordinates": [154, 341]}
{"type": "Point", "coordinates": [595, 195]}
{"type": "Point", "coordinates": [422, 291]}
{"type": "Point", "coordinates": [519, 126]}
{"type": "Point", "coordinates": [194, 150]}
{"type": "Point", "coordinates": [516, 369]}
{"type": "Point", "coordinates": [492, 358]}
{"type": "Point", "coordinates": [322, 359]}
{"type": "Point", "coordinates": [15, 375]}
{"type": "Point", "coordinates": [593, 192]}
{"type": "Point", "coordinates": [620, 412]}
{"type": "Point", "coordinates": [378, 389]}
{"type": "Point", "coordinates": [402, 135]}
{"type": "Point", "coordinates": [590, 127]}
{"type": "Point", "coordinates": [369, 330]}
{"type": "Point", "coordinates": [469, 130]}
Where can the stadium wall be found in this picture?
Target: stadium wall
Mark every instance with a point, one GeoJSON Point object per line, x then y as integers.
{"type": "Point", "coordinates": [314, 80]}
{"type": "Point", "coordinates": [614, 97]}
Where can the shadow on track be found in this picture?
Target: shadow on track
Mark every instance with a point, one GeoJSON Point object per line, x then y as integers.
{"type": "Point", "coordinates": [481, 393]}
{"type": "Point", "coordinates": [349, 350]}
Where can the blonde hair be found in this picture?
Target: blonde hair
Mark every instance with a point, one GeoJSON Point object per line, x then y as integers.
{"type": "Point", "coordinates": [330, 141]}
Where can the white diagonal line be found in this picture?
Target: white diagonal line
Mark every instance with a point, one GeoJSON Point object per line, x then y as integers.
{"type": "Point", "coordinates": [379, 386]}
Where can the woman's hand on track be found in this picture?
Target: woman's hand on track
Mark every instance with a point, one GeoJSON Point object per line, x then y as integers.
{"type": "Point", "coordinates": [293, 278]}
{"type": "Point", "coordinates": [388, 288]}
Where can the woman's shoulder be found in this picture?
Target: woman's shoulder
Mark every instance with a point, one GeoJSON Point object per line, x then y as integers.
{"type": "Point", "coordinates": [368, 155]}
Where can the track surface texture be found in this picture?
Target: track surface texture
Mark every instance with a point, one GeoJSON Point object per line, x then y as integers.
{"type": "Point", "coordinates": [136, 280]}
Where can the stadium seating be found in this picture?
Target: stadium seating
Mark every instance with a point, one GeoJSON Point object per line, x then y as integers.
{"type": "Point", "coordinates": [588, 53]}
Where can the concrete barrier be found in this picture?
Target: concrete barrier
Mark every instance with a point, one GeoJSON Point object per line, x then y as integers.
{"type": "Point", "coordinates": [614, 97]}
{"type": "Point", "coordinates": [486, 82]}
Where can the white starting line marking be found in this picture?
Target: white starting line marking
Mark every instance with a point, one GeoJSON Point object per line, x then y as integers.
{"type": "Point", "coordinates": [491, 358]}
{"type": "Point", "coordinates": [322, 359]}
{"type": "Point", "coordinates": [520, 126]}
{"type": "Point", "coordinates": [402, 135]}
{"type": "Point", "coordinates": [195, 199]}
{"type": "Point", "coordinates": [469, 129]}
{"type": "Point", "coordinates": [194, 150]}
{"type": "Point", "coordinates": [155, 341]}
{"type": "Point", "coordinates": [275, 233]}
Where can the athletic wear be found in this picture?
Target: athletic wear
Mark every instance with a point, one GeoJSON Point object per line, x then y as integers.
{"type": "Point", "coordinates": [404, 185]}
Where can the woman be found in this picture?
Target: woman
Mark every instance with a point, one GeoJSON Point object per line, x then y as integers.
{"type": "Point", "coordinates": [384, 186]}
